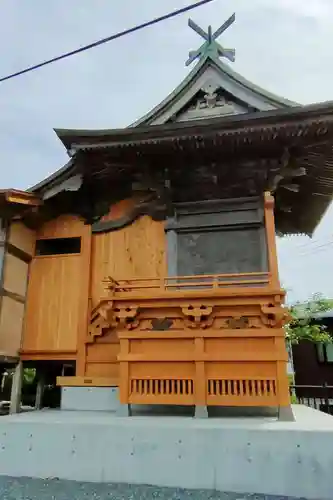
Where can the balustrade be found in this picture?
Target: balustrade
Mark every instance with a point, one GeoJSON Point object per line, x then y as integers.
{"type": "Point", "coordinates": [195, 340]}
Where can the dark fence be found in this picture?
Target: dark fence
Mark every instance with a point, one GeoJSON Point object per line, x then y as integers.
{"type": "Point", "coordinates": [319, 397]}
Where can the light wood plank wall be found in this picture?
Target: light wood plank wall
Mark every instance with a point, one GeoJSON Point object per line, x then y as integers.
{"type": "Point", "coordinates": [55, 288]}
{"type": "Point", "coordinates": [59, 288]}
{"type": "Point", "coordinates": [136, 251]}
{"type": "Point", "coordinates": [19, 245]}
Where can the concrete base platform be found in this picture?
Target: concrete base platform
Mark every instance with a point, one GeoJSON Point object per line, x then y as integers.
{"type": "Point", "coordinates": [241, 455]}
{"type": "Point", "coordinates": [90, 398]}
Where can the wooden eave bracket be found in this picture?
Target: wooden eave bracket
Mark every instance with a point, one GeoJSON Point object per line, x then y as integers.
{"type": "Point", "coordinates": [15, 204]}
{"type": "Point", "coordinates": [22, 198]}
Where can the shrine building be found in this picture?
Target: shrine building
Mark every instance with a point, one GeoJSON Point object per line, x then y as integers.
{"type": "Point", "coordinates": [144, 271]}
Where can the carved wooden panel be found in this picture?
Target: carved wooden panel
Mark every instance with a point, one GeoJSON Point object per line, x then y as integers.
{"type": "Point", "coordinates": [219, 252]}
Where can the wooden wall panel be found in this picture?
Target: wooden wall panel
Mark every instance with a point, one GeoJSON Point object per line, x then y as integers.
{"type": "Point", "coordinates": [11, 321]}
{"type": "Point", "coordinates": [244, 369]}
{"type": "Point", "coordinates": [65, 226]}
{"type": "Point", "coordinates": [138, 250]}
{"type": "Point", "coordinates": [109, 370]}
{"type": "Point", "coordinates": [22, 237]}
{"type": "Point", "coordinates": [102, 359]}
{"type": "Point", "coordinates": [57, 296]}
{"type": "Point", "coordinates": [15, 276]}
{"type": "Point", "coordinates": [52, 314]}
{"type": "Point", "coordinates": [102, 353]}
{"type": "Point", "coordinates": [16, 249]}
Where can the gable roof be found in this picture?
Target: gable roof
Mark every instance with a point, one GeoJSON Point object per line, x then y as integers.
{"type": "Point", "coordinates": [215, 107]}
{"type": "Point", "coordinates": [209, 76]}
{"type": "Point", "coordinates": [207, 69]}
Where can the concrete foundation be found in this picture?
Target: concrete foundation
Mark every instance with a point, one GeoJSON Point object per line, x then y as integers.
{"type": "Point", "coordinates": [90, 399]}
{"type": "Point", "coordinates": [240, 455]}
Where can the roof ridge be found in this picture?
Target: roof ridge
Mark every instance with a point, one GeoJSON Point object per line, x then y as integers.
{"type": "Point", "coordinates": [206, 60]}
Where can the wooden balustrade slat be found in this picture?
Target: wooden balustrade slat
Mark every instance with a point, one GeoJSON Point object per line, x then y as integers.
{"type": "Point", "coordinates": [189, 277]}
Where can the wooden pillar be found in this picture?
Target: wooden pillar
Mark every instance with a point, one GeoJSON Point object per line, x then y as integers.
{"type": "Point", "coordinates": [16, 392]}
{"type": "Point", "coordinates": [85, 302]}
{"type": "Point", "coordinates": [39, 391]}
{"type": "Point", "coordinates": [285, 410]}
{"type": "Point", "coordinates": [271, 240]}
{"type": "Point", "coordinates": [200, 390]}
{"type": "Point", "coordinates": [125, 408]}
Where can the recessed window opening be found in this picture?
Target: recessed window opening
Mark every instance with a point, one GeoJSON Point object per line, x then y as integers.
{"type": "Point", "coordinates": [217, 239]}
{"type": "Point", "coordinates": [58, 246]}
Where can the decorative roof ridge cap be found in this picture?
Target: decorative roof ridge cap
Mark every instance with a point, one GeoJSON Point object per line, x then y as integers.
{"type": "Point", "coordinates": [210, 45]}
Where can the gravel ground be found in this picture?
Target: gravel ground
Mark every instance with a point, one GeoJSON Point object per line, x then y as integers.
{"type": "Point", "coordinates": [54, 489]}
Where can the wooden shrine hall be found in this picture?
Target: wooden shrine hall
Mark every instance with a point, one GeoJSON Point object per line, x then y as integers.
{"type": "Point", "coordinates": [146, 267]}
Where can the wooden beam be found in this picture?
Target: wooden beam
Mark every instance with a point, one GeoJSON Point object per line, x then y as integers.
{"type": "Point", "coordinates": [8, 360]}
{"type": "Point", "coordinates": [16, 251]}
{"type": "Point", "coordinates": [22, 198]}
{"type": "Point", "coordinates": [39, 355]}
{"type": "Point", "coordinates": [15, 296]}
{"type": "Point", "coordinates": [87, 381]}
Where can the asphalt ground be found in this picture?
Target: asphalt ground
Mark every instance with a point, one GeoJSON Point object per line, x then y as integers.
{"type": "Point", "coordinates": [55, 489]}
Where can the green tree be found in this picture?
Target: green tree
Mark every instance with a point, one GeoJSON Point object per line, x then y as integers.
{"type": "Point", "coordinates": [29, 375]}
{"type": "Point", "coordinates": [303, 325]}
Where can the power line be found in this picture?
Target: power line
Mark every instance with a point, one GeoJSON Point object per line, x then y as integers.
{"type": "Point", "coordinates": [311, 249]}
{"type": "Point", "coordinates": [313, 243]}
{"type": "Point", "coordinates": [300, 263]}
{"type": "Point", "coordinates": [108, 39]}
{"type": "Point", "coordinates": [317, 249]}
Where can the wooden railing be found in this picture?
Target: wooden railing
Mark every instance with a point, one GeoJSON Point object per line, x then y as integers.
{"type": "Point", "coordinates": [319, 397]}
{"type": "Point", "coordinates": [192, 340]}
{"type": "Point", "coordinates": [196, 282]}
{"type": "Point", "coordinates": [233, 392]}
{"type": "Point", "coordinates": [223, 392]}
{"type": "Point", "coordinates": [167, 386]}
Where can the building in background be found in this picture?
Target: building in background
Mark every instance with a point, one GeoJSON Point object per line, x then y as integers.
{"type": "Point", "coordinates": [313, 363]}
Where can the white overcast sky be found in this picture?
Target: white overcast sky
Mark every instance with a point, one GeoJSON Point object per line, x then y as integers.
{"type": "Point", "coordinates": [285, 46]}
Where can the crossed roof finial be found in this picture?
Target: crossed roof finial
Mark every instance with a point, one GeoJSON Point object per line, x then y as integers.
{"type": "Point", "coordinates": [211, 46]}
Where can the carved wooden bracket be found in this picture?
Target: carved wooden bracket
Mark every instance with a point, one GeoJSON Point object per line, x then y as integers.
{"type": "Point", "coordinates": [126, 317]}
{"type": "Point", "coordinates": [239, 322]}
{"type": "Point", "coordinates": [106, 317]}
{"type": "Point", "coordinates": [152, 206]}
{"type": "Point", "coordinates": [100, 320]}
{"type": "Point", "coordinates": [161, 324]}
{"type": "Point", "coordinates": [286, 169]}
{"type": "Point", "coordinates": [274, 316]}
{"type": "Point", "coordinates": [198, 317]}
